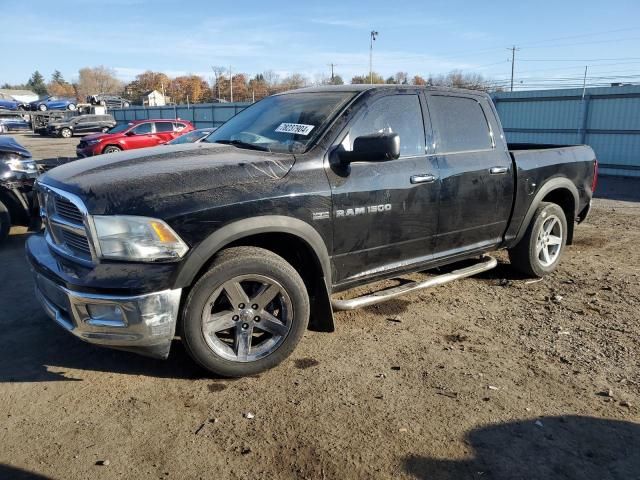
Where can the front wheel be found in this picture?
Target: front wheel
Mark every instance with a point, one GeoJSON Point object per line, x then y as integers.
{"type": "Point", "coordinates": [112, 149]}
{"type": "Point", "coordinates": [66, 133]}
{"type": "Point", "coordinates": [538, 252]}
{"type": "Point", "coordinates": [42, 107]}
{"type": "Point", "coordinates": [72, 107]}
{"type": "Point", "coordinates": [246, 314]}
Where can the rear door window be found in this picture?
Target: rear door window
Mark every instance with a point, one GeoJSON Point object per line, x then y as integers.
{"type": "Point", "coordinates": [460, 124]}
{"type": "Point", "coordinates": [163, 127]}
{"type": "Point", "coordinates": [399, 114]}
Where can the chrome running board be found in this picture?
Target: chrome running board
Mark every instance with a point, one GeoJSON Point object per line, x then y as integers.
{"type": "Point", "coordinates": [486, 263]}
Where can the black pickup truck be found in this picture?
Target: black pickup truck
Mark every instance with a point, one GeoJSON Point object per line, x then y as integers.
{"type": "Point", "coordinates": [240, 243]}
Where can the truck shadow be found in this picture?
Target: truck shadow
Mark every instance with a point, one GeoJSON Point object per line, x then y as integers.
{"type": "Point", "coordinates": [572, 447]}
{"type": "Point", "coordinates": [13, 473]}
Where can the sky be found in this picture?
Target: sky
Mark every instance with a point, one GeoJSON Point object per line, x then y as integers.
{"type": "Point", "coordinates": [556, 39]}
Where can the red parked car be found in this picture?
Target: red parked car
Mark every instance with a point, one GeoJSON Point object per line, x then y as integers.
{"type": "Point", "coordinates": [135, 134]}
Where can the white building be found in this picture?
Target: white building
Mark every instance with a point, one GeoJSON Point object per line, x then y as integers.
{"type": "Point", "coordinates": [154, 98]}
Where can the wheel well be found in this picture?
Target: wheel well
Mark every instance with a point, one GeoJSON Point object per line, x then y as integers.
{"type": "Point", "coordinates": [301, 256]}
{"type": "Point", "coordinates": [111, 145]}
{"type": "Point", "coordinates": [565, 200]}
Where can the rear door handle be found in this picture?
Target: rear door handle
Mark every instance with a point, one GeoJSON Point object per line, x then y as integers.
{"type": "Point", "coordinates": [424, 178]}
{"type": "Point", "coordinates": [498, 170]}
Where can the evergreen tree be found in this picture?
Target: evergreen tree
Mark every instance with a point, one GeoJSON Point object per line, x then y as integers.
{"type": "Point", "coordinates": [36, 83]}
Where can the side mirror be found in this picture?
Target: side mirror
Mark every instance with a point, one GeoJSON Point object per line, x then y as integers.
{"type": "Point", "coordinates": [378, 147]}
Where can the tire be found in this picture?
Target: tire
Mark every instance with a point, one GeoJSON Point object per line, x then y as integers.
{"type": "Point", "coordinates": [72, 107]}
{"type": "Point", "coordinates": [538, 253]}
{"type": "Point", "coordinates": [42, 107]}
{"type": "Point", "coordinates": [5, 222]}
{"type": "Point", "coordinates": [126, 105]}
{"type": "Point", "coordinates": [66, 133]}
{"type": "Point", "coordinates": [111, 149]}
{"type": "Point", "coordinates": [250, 338]}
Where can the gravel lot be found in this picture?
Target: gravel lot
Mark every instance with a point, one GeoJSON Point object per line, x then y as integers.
{"type": "Point", "coordinates": [492, 377]}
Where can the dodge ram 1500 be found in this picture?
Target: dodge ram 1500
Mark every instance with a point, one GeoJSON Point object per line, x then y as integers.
{"type": "Point", "coordinates": [239, 244]}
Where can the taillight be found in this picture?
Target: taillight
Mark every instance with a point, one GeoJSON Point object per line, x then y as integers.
{"type": "Point", "coordinates": [594, 182]}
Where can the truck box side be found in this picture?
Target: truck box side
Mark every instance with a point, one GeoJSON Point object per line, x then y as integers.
{"type": "Point", "coordinates": [564, 173]}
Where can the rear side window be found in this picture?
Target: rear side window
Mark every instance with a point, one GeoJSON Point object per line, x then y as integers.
{"type": "Point", "coordinates": [178, 127]}
{"type": "Point", "coordinates": [164, 127]}
{"type": "Point", "coordinates": [460, 124]}
{"type": "Point", "coordinates": [399, 114]}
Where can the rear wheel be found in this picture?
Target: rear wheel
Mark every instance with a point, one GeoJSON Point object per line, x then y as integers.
{"type": "Point", "coordinates": [42, 107]}
{"type": "Point", "coordinates": [72, 107]}
{"type": "Point", "coordinates": [538, 253]}
{"type": "Point", "coordinates": [5, 222]}
{"type": "Point", "coordinates": [246, 314]}
{"type": "Point", "coordinates": [111, 149]}
{"type": "Point", "coordinates": [126, 105]}
{"type": "Point", "coordinates": [66, 133]}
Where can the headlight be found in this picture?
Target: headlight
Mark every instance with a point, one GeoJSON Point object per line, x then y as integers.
{"type": "Point", "coordinates": [17, 164]}
{"type": "Point", "coordinates": [94, 142]}
{"type": "Point", "coordinates": [137, 238]}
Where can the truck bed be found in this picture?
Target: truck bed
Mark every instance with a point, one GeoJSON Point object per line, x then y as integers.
{"type": "Point", "coordinates": [539, 166]}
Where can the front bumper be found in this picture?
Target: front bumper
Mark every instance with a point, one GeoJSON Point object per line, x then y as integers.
{"type": "Point", "coordinates": [143, 324]}
{"type": "Point", "coordinates": [140, 321]}
{"type": "Point", "coordinates": [88, 151]}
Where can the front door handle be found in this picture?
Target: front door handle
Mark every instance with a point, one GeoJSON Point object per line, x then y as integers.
{"type": "Point", "coordinates": [424, 178]}
{"type": "Point", "coordinates": [498, 170]}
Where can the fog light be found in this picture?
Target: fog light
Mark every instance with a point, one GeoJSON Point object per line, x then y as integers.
{"type": "Point", "coordinates": [105, 314]}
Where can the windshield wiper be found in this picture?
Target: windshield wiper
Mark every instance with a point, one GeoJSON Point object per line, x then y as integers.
{"type": "Point", "coordinates": [241, 144]}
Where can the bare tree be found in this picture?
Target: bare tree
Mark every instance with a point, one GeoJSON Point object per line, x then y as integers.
{"type": "Point", "coordinates": [458, 79]}
{"type": "Point", "coordinates": [97, 80]}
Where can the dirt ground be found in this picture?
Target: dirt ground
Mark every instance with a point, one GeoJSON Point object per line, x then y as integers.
{"type": "Point", "coordinates": [495, 377]}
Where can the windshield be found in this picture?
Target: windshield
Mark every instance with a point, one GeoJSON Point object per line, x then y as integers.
{"type": "Point", "coordinates": [119, 128]}
{"type": "Point", "coordinates": [190, 137]}
{"type": "Point", "coordinates": [282, 123]}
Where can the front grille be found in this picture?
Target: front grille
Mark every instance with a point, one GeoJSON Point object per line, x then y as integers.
{"type": "Point", "coordinates": [64, 220]}
{"type": "Point", "coordinates": [68, 210]}
{"type": "Point", "coordinates": [76, 242]}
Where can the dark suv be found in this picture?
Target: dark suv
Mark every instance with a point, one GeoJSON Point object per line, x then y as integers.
{"type": "Point", "coordinates": [110, 101]}
{"type": "Point", "coordinates": [81, 124]}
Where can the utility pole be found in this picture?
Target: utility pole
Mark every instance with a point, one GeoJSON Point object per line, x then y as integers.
{"type": "Point", "coordinates": [513, 63]}
{"type": "Point", "coordinates": [332, 65]}
{"type": "Point", "coordinates": [231, 83]}
{"type": "Point", "coordinates": [584, 82]}
{"type": "Point", "coordinates": [374, 34]}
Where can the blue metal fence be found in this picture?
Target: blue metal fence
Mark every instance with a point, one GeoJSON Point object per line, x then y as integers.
{"type": "Point", "coordinates": [607, 119]}
{"type": "Point", "coordinates": [202, 115]}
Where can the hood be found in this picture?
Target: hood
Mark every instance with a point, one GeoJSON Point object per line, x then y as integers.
{"type": "Point", "coordinates": [157, 181]}
{"type": "Point", "coordinates": [9, 145]}
{"type": "Point", "coordinates": [105, 136]}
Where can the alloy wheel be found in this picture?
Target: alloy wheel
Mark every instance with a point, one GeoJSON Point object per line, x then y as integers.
{"type": "Point", "coordinates": [247, 318]}
{"type": "Point", "coordinates": [549, 241]}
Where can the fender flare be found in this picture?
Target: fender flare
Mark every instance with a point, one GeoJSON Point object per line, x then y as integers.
{"type": "Point", "coordinates": [556, 183]}
{"type": "Point", "coordinates": [239, 229]}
